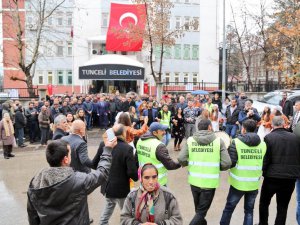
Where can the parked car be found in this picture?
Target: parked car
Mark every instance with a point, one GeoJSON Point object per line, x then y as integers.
{"type": "Point", "coordinates": [273, 98]}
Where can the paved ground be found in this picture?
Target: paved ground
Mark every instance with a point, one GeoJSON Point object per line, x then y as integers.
{"type": "Point", "coordinates": [16, 173]}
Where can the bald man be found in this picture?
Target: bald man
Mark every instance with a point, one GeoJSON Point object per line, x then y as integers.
{"type": "Point", "coordinates": [79, 153]}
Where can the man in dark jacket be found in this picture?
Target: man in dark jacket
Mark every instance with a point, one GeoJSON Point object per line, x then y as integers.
{"type": "Point", "coordinates": [32, 122]}
{"type": "Point", "coordinates": [280, 170]}
{"type": "Point", "coordinates": [61, 125]}
{"type": "Point", "coordinates": [248, 113]}
{"type": "Point", "coordinates": [123, 167]}
{"type": "Point", "coordinates": [232, 115]}
{"type": "Point", "coordinates": [20, 123]}
{"type": "Point", "coordinates": [58, 195]}
{"type": "Point", "coordinates": [287, 106]}
{"type": "Point", "coordinates": [88, 109]}
{"type": "Point", "coordinates": [80, 159]}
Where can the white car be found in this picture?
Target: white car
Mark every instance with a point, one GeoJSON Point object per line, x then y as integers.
{"type": "Point", "coordinates": [273, 98]}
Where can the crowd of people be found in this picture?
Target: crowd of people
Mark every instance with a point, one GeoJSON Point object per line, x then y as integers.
{"type": "Point", "coordinates": [144, 126]}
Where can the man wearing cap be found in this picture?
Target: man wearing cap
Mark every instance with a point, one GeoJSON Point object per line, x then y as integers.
{"type": "Point", "coordinates": [150, 149]}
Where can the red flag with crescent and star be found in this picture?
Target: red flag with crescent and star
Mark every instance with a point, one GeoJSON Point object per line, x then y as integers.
{"type": "Point", "coordinates": [125, 17]}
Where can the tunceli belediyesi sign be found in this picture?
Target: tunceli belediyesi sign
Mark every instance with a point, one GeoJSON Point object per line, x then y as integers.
{"type": "Point", "coordinates": [111, 72]}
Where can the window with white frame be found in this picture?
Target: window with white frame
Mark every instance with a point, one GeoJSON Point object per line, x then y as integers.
{"type": "Point", "coordinates": [176, 78]}
{"type": "Point", "coordinates": [186, 22]}
{"type": "Point", "coordinates": [177, 49]}
{"type": "Point", "coordinates": [186, 52]}
{"type": "Point", "coordinates": [50, 21]}
{"type": "Point", "coordinates": [177, 22]}
{"type": "Point", "coordinates": [59, 21]}
{"type": "Point", "coordinates": [60, 77]}
{"type": "Point", "coordinates": [50, 77]}
{"type": "Point", "coordinates": [104, 19]}
{"type": "Point", "coordinates": [195, 78]}
{"type": "Point", "coordinates": [195, 52]}
{"type": "Point", "coordinates": [167, 78]}
{"type": "Point", "coordinates": [70, 49]}
{"type": "Point", "coordinates": [59, 49]}
{"type": "Point", "coordinates": [187, 1]}
{"type": "Point", "coordinates": [186, 78]}
{"type": "Point", "coordinates": [49, 49]}
{"type": "Point", "coordinates": [69, 19]}
{"type": "Point", "coordinates": [40, 76]}
{"type": "Point", "coordinates": [70, 77]}
{"type": "Point", "coordinates": [196, 24]}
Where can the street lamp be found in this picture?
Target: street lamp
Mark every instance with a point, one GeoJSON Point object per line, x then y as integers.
{"type": "Point", "coordinates": [224, 55]}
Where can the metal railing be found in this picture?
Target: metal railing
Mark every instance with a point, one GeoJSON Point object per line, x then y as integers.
{"type": "Point", "coordinates": [19, 93]}
{"type": "Point", "coordinates": [230, 86]}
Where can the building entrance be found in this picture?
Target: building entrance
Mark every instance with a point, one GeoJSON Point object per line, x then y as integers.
{"type": "Point", "coordinates": [110, 86]}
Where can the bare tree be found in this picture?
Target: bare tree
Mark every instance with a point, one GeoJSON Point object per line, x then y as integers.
{"type": "Point", "coordinates": [247, 41]}
{"type": "Point", "coordinates": [43, 9]}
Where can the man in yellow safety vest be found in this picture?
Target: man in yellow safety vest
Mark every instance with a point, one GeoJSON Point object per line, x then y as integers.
{"type": "Point", "coordinates": [205, 154]}
{"type": "Point", "coordinates": [247, 153]}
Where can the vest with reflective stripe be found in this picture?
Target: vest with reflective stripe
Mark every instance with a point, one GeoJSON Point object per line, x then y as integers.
{"type": "Point", "coordinates": [146, 154]}
{"type": "Point", "coordinates": [204, 163]}
{"type": "Point", "coordinates": [165, 119]}
{"type": "Point", "coordinates": [246, 174]}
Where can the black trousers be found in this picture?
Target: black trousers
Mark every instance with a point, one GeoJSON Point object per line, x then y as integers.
{"type": "Point", "coordinates": [202, 201]}
{"type": "Point", "coordinates": [283, 188]}
{"type": "Point", "coordinates": [7, 149]}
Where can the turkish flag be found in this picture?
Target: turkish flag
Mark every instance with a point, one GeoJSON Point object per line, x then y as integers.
{"type": "Point", "coordinates": [50, 89]}
{"type": "Point", "coordinates": [125, 19]}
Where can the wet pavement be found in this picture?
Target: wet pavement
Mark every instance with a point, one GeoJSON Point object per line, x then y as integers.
{"type": "Point", "coordinates": [16, 173]}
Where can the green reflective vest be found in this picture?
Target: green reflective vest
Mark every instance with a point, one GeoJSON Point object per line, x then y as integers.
{"type": "Point", "coordinates": [204, 163]}
{"type": "Point", "coordinates": [146, 154]}
{"type": "Point", "coordinates": [165, 118]}
{"type": "Point", "coordinates": [246, 174]}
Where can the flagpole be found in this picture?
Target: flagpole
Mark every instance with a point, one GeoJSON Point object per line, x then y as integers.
{"type": "Point", "coordinates": [224, 55]}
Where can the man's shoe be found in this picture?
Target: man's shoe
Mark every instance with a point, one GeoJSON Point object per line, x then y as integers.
{"type": "Point", "coordinates": [22, 146]}
{"type": "Point", "coordinates": [11, 155]}
{"type": "Point", "coordinates": [6, 157]}
{"type": "Point", "coordinates": [91, 221]}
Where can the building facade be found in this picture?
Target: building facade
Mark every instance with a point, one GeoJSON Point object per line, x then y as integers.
{"type": "Point", "coordinates": [76, 33]}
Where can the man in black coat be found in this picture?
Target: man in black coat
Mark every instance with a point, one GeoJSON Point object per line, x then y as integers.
{"type": "Point", "coordinates": [20, 123]}
{"type": "Point", "coordinates": [232, 115]}
{"type": "Point", "coordinates": [124, 167]}
{"type": "Point", "coordinates": [280, 170]}
{"type": "Point", "coordinates": [79, 152]}
{"type": "Point", "coordinates": [287, 106]}
{"type": "Point", "coordinates": [58, 194]}
{"type": "Point", "coordinates": [61, 125]}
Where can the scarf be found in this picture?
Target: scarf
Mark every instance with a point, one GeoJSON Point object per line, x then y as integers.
{"type": "Point", "coordinates": [147, 199]}
{"type": "Point", "coordinates": [8, 127]}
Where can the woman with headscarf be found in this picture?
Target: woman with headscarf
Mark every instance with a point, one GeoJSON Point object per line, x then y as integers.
{"type": "Point", "coordinates": [7, 135]}
{"type": "Point", "coordinates": [150, 203]}
{"type": "Point", "coordinates": [277, 111]}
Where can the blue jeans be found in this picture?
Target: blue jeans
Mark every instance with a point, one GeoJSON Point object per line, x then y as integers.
{"type": "Point", "coordinates": [233, 198]}
{"type": "Point", "coordinates": [298, 200]}
{"type": "Point", "coordinates": [109, 209]}
{"type": "Point", "coordinates": [88, 118]}
{"type": "Point", "coordinates": [20, 136]}
{"type": "Point", "coordinates": [231, 130]}
{"type": "Point", "coordinates": [166, 138]}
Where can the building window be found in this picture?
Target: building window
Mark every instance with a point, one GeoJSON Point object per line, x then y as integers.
{"type": "Point", "coordinates": [69, 19]}
{"type": "Point", "coordinates": [157, 52]}
{"type": "Point", "coordinates": [49, 49]}
{"type": "Point", "coordinates": [167, 53]}
{"type": "Point", "coordinates": [187, 1]}
{"type": "Point", "coordinates": [50, 21]}
{"type": "Point", "coordinates": [186, 23]}
{"type": "Point", "coordinates": [195, 53]}
{"type": "Point", "coordinates": [177, 22]}
{"type": "Point", "coordinates": [60, 77]}
{"type": "Point", "coordinates": [196, 23]}
{"type": "Point", "coordinates": [70, 77]}
{"type": "Point", "coordinates": [41, 80]}
{"type": "Point", "coordinates": [69, 49]}
{"type": "Point", "coordinates": [40, 77]}
{"type": "Point", "coordinates": [50, 77]}
{"type": "Point", "coordinates": [176, 78]}
{"type": "Point", "coordinates": [59, 49]}
{"type": "Point", "coordinates": [177, 51]}
{"type": "Point", "coordinates": [186, 78]}
{"type": "Point", "coordinates": [104, 19]}
{"type": "Point", "coordinates": [186, 52]}
{"type": "Point", "coordinates": [195, 78]}
{"type": "Point", "coordinates": [167, 77]}
{"type": "Point", "coordinates": [59, 21]}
